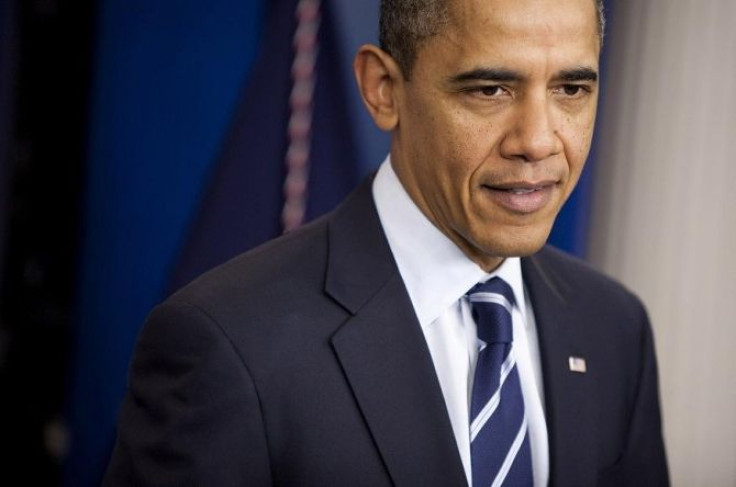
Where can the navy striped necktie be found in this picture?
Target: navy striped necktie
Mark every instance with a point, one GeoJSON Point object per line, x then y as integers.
{"type": "Point", "coordinates": [499, 439]}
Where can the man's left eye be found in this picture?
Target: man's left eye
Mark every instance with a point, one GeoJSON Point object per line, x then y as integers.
{"type": "Point", "coordinates": [573, 90]}
{"type": "Point", "coordinates": [494, 90]}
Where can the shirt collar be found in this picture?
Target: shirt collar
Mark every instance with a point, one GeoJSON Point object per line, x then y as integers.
{"type": "Point", "coordinates": [435, 271]}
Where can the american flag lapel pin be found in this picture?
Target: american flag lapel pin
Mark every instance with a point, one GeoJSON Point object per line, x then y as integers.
{"type": "Point", "coordinates": [577, 364]}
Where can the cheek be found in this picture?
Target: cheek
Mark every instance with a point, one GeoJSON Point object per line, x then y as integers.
{"type": "Point", "coordinates": [452, 142]}
{"type": "Point", "coordinates": [453, 145]}
{"type": "Point", "coordinates": [470, 144]}
{"type": "Point", "coordinates": [577, 145]}
{"type": "Point", "coordinates": [459, 164]}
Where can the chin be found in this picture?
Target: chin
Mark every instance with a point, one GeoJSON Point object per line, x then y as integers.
{"type": "Point", "coordinates": [523, 250]}
{"type": "Point", "coordinates": [515, 244]}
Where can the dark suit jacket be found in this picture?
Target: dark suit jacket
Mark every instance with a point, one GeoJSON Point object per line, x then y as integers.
{"type": "Point", "coordinates": [302, 363]}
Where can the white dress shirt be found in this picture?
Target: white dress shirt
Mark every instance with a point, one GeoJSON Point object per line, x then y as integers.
{"type": "Point", "coordinates": [437, 274]}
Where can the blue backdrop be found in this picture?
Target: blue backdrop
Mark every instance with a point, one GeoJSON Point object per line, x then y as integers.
{"type": "Point", "coordinates": [167, 76]}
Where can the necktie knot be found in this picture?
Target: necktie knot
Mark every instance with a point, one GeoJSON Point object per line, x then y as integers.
{"type": "Point", "coordinates": [492, 302]}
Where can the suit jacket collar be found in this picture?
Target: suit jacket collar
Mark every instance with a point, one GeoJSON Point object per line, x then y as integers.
{"type": "Point", "coordinates": [383, 352]}
{"type": "Point", "coordinates": [388, 365]}
{"type": "Point", "coordinates": [568, 394]}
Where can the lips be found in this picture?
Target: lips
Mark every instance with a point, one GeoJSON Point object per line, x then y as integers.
{"type": "Point", "coordinates": [522, 191]}
{"type": "Point", "coordinates": [521, 197]}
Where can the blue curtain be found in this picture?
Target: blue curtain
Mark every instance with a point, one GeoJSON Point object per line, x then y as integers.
{"type": "Point", "coordinates": [166, 77]}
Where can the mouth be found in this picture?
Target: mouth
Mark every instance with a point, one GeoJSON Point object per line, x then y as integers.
{"type": "Point", "coordinates": [523, 191]}
{"type": "Point", "coordinates": [522, 197]}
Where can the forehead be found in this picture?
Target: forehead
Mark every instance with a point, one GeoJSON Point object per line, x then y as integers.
{"type": "Point", "coordinates": [532, 31]}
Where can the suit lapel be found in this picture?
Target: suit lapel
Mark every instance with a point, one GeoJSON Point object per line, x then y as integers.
{"type": "Point", "coordinates": [568, 394]}
{"type": "Point", "coordinates": [384, 354]}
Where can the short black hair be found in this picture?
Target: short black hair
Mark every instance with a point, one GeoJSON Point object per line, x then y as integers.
{"type": "Point", "coordinates": [405, 24]}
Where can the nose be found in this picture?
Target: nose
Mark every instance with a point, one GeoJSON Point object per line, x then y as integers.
{"type": "Point", "coordinates": [532, 133]}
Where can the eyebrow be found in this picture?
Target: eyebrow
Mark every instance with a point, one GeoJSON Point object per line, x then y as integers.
{"type": "Point", "coordinates": [578, 74]}
{"type": "Point", "coordinates": [501, 75]}
{"type": "Point", "coordinates": [486, 74]}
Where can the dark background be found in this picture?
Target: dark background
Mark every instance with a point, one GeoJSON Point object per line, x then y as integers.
{"type": "Point", "coordinates": [46, 74]}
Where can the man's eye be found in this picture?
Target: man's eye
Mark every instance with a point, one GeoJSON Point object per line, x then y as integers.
{"type": "Point", "coordinates": [574, 90]}
{"type": "Point", "coordinates": [490, 90]}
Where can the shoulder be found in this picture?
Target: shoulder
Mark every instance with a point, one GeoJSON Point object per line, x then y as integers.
{"type": "Point", "coordinates": [255, 298]}
{"type": "Point", "coordinates": [264, 273]}
{"type": "Point", "coordinates": [276, 295]}
{"type": "Point", "coordinates": [291, 268]}
{"type": "Point", "coordinates": [593, 307]}
{"type": "Point", "coordinates": [273, 290]}
{"type": "Point", "coordinates": [578, 281]}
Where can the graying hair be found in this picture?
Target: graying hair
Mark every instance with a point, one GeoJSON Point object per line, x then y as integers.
{"type": "Point", "coordinates": [405, 24]}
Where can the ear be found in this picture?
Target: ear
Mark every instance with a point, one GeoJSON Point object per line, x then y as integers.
{"type": "Point", "coordinates": [379, 79]}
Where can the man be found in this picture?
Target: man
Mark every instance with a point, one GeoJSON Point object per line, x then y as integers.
{"type": "Point", "coordinates": [350, 352]}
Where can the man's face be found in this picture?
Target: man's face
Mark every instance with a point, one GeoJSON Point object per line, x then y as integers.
{"type": "Point", "coordinates": [495, 124]}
